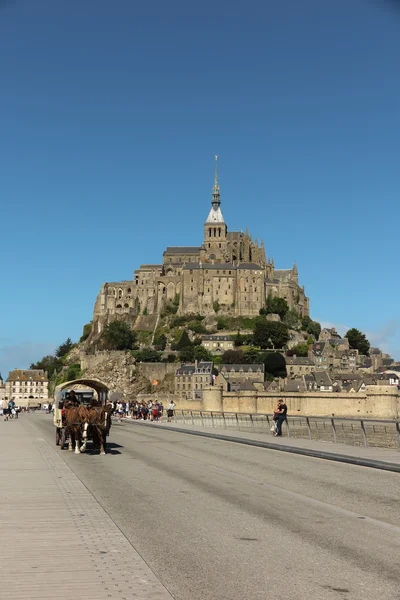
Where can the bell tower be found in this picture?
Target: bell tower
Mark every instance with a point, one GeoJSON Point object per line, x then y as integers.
{"type": "Point", "coordinates": [215, 228]}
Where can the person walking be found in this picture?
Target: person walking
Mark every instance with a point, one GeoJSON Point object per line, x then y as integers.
{"type": "Point", "coordinates": [281, 412]}
{"type": "Point", "coordinates": [170, 411]}
{"type": "Point", "coordinates": [4, 405]}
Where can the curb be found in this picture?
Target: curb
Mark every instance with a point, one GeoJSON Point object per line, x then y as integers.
{"type": "Point", "coordinates": [343, 458]}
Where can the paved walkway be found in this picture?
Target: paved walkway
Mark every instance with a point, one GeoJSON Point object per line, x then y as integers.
{"type": "Point", "coordinates": [57, 541]}
{"type": "Point", "coordinates": [381, 458]}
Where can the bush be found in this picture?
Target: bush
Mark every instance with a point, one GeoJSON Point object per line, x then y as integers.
{"type": "Point", "coordinates": [72, 372]}
{"type": "Point", "coordinates": [184, 342]}
{"type": "Point", "coordinates": [277, 306]}
{"type": "Point", "coordinates": [160, 341]}
{"type": "Point", "coordinates": [299, 350]}
{"type": "Point", "coordinates": [117, 335]}
{"type": "Point", "coordinates": [146, 355]}
{"type": "Point", "coordinates": [270, 334]}
{"type": "Point", "coordinates": [186, 354]}
{"type": "Point", "coordinates": [222, 323]}
{"type": "Point", "coordinates": [216, 306]}
{"type": "Point", "coordinates": [197, 327]}
{"type": "Point", "coordinates": [275, 364]}
{"type": "Point", "coordinates": [233, 357]}
{"type": "Point", "coordinates": [201, 353]}
{"type": "Point", "coordinates": [87, 330]}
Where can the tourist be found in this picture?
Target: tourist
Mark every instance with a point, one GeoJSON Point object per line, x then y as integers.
{"type": "Point", "coordinates": [156, 412]}
{"type": "Point", "coordinates": [4, 405]}
{"type": "Point", "coordinates": [170, 411]}
{"type": "Point", "coordinates": [160, 410]}
{"type": "Point", "coordinates": [281, 412]}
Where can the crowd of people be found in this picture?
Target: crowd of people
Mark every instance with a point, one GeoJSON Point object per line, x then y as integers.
{"type": "Point", "coordinates": [9, 410]}
{"type": "Point", "coordinates": [144, 411]}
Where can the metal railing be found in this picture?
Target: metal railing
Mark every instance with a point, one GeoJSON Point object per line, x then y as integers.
{"type": "Point", "coordinates": [380, 433]}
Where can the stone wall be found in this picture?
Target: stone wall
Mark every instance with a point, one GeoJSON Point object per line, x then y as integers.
{"type": "Point", "coordinates": [380, 402]}
{"type": "Point", "coordinates": [157, 371]}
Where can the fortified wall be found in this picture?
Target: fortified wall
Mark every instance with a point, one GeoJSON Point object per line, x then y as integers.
{"type": "Point", "coordinates": [378, 402]}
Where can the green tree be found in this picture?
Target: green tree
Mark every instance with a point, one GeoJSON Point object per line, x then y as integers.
{"type": "Point", "coordinates": [201, 353]}
{"type": "Point", "coordinates": [117, 335]}
{"type": "Point", "coordinates": [186, 354]}
{"type": "Point", "coordinates": [233, 357]}
{"type": "Point", "coordinates": [51, 364]}
{"type": "Point", "coordinates": [64, 348]}
{"type": "Point", "coordinates": [160, 341]}
{"type": "Point", "coordinates": [358, 341]}
{"type": "Point", "coordinates": [216, 306]}
{"type": "Point", "coordinates": [252, 356]}
{"type": "Point", "coordinates": [222, 323]}
{"type": "Point", "coordinates": [72, 372]}
{"type": "Point", "coordinates": [147, 355]}
{"type": "Point", "coordinates": [277, 306]}
{"type": "Point", "coordinates": [298, 350]}
{"type": "Point", "coordinates": [275, 364]}
{"type": "Point", "coordinates": [184, 341]}
{"type": "Point", "coordinates": [197, 327]}
{"type": "Point", "coordinates": [292, 319]}
{"type": "Point", "coordinates": [311, 327]}
{"type": "Point", "coordinates": [270, 334]}
{"type": "Point", "coordinates": [87, 330]}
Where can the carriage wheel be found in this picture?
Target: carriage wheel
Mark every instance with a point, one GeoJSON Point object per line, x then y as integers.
{"type": "Point", "coordinates": [62, 439]}
{"type": "Point", "coordinates": [57, 437]}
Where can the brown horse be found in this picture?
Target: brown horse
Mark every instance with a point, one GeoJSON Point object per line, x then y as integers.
{"type": "Point", "coordinates": [77, 425]}
{"type": "Point", "coordinates": [99, 419]}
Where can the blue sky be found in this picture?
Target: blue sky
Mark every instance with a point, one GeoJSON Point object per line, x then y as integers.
{"type": "Point", "coordinates": [111, 113]}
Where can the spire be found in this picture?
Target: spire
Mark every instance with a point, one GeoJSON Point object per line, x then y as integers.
{"type": "Point", "coordinates": [215, 215]}
{"type": "Point", "coordinates": [216, 201]}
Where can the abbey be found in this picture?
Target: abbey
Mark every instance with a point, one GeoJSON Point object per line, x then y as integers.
{"type": "Point", "coordinates": [228, 274]}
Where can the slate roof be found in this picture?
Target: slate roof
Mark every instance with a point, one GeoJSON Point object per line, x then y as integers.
{"type": "Point", "coordinates": [299, 360]}
{"type": "Point", "coordinates": [252, 266]}
{"type": "Point", "coordinates": [182, 250]}
{"type": "Point", "coordinates": [347, 377]}
{"type": "Point", "coordinates": [215, 216]}
{"type": "Point", "coordinates": [322, 378]}
{"type": "Point", "coordinates": [243, 368]}
{"type": "Point", "coordinates": [204, 367]}
{"type": "Point", "coordinates": [218, 338]}
{"type": "Point", "coordinates": [28, 375]}
{"type": "Point", "coordinates": [294, 385]}
{"type": "Point", "coordinates": [281, 273]}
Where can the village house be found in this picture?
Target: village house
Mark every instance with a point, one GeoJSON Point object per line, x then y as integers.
{"type": "Point", "coordinates": [217, 344]}
{"type": "Point", "coordinates": [190, 379]}
{"type": "Point", "coordinates": [237, 373]}
{"type": "Point", "coordinates": [299, 365]}
{"type": "Point", "coordinates": [23, 386]}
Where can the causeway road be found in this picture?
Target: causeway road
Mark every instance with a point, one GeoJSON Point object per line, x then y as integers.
{"type": "Point", "coordinates": [216, 520]}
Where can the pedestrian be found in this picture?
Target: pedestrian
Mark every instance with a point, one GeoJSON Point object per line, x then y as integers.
{"type": "Point", "coordinates": [155, 412]}
{"type": "Point", "coordinates": [170, 411]}
{"type": "Point", "coordinates": [160, 410]}
{"type": "Point", "coordinates": [4, 405]}
{"type": "Point", "coordinates": [281, 412]}
{"type": "Point", "coordinates": [11, 408]}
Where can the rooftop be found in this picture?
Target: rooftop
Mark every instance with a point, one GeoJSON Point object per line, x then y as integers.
{"type": "Point", "coordinates": [28, 375]}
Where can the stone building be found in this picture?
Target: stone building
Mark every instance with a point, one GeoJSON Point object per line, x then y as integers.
{"type": "Point", "coordinates": [229, 273]}
{"type": "Point", "coordinates": [217, 344]}
{"type": "Point", "coordinates": [299, 365]}
{"type": "Point", "coordinates": [190, 379]}
{"type": "Point", "coordinates": [24, 387]}
{"type": "Point", "coordinates": [243, 372]}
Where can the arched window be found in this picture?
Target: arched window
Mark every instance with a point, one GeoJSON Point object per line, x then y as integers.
{"type": "Point", "coordinates": [129, 290]}
{"type": "Point", "coordinates": [120, 293]}
{"type": "Point", "coordinates": [209, 232]}
{"type": "Point", "coordinates": [126, 305]}
{"type": "Point", "coordinates": [119, 306]}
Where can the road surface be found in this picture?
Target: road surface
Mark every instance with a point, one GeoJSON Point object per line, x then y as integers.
{"type": "Point", "coordinates": [221, 521]}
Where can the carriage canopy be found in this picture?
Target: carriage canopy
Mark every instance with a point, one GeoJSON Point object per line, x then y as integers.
{"type": "Point", "coordinates": [95, 384]}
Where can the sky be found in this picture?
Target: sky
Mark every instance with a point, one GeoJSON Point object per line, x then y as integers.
{"type": "Point", "coordinates": [111, 114]}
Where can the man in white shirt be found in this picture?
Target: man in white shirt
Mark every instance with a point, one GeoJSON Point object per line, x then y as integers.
{"type": "Point", "coordinates": [170, 411]}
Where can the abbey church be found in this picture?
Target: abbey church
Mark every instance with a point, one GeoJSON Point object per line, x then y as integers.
{"type": "Point", "coordinates": [228, 274]}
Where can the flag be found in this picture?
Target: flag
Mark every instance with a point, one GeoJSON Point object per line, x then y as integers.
{"type": "Point", "coordinates": [154, 382]}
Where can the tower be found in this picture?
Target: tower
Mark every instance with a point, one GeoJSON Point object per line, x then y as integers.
{"type": "Point", "coordinates": [215, 228]}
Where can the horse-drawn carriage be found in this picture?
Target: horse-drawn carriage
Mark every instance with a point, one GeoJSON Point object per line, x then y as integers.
{"type": "Point", "coordinates": [78, 418]}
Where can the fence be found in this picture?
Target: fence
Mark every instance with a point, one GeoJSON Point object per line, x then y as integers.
{"type": "Point", "coordinates": [352, 431]}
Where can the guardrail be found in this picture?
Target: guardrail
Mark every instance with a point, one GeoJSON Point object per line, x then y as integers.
{"type": "Point", "coordinates": [383, 433]}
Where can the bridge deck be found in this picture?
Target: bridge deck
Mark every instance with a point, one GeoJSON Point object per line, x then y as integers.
{"type": "Point", "coordinates": [58, 542]}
